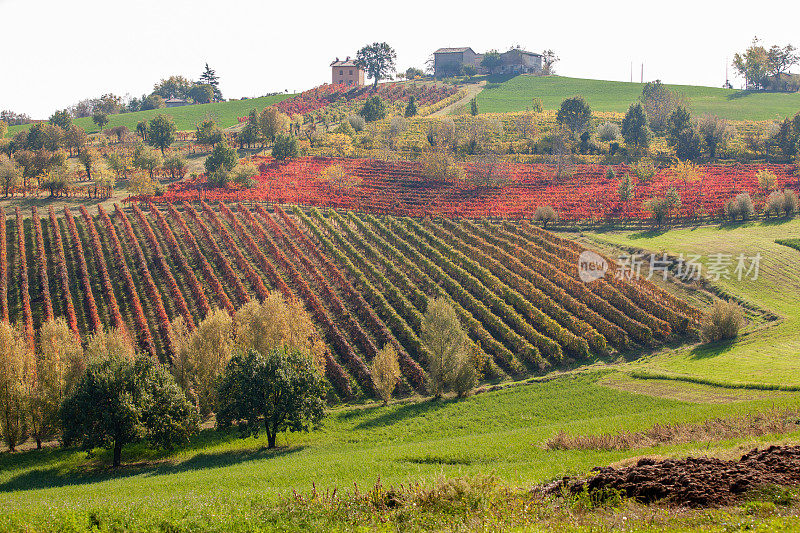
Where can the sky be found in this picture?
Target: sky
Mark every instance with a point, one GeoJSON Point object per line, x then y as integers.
{"type": "Point", "coordinates": [55, 52]}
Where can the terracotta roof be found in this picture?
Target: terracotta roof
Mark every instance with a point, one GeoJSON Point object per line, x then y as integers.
{"type": "Point", "coordinates": [344, 63]}
{"type": "Point", "coordinates": [174, 100]}
{"type": "Point", "coordinates": [453, 50]}
{"type": "Point", "coordinates": [521, 51]}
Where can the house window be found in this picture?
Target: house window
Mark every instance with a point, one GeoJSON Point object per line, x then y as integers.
{"type": "Point", "coordinates": [341, 72]}
{"type": "Point", "coordinates": [351, 72]}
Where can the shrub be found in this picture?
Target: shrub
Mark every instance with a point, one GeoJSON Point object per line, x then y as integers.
{"type": "Point", "coordinates": [357, 122]}
{"type": "Point", "coordinates": [15, 359]}
{"type": "Point", "coordinates": [722, 321]}
{"type": "Point", "coordinates": [644, 169]}
{"type": "Point", "coordinates": [575, 113]}
{"type": "Point", "coordinates": [781, 203]}
{"type": "Point", "coordinates": [120, 401]}
{"type": "Point", "coordinates": [374, 109]}
{"type": "Point", "coordinates": [608, 131]}
{"type": "Point", "coordinates": [281, 390]}
{"type": "Point", "coordinates": [545, 214]}
{"type": "Point", "coordinates": [741, 206]}
{"type": "Point", "coordinates": [766, 179]}
{"type": "Point", "coordinates": [440, 165]}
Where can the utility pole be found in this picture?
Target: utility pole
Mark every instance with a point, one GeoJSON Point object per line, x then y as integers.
{"type": "Point", "coordinates": [631, 71]}
{"type": "Point", "coordinates": [641, 79]}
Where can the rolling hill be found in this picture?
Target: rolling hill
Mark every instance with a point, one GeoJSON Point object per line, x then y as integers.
{"type": "Point", "coordinates": [225, 113]}
{"type": "Point", "coordinates": [516, 93]}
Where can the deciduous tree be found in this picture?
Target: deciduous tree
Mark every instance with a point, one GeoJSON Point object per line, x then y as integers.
{"type": "Point", "coordinates": [378, 60]}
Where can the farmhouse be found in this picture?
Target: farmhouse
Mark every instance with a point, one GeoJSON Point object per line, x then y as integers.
{"type": "Point", "coordinates": [175, 102]}
{"type": "Point", "coordinates": [346, 73]}
{"type": "Point", "coordinates": [451, 61]}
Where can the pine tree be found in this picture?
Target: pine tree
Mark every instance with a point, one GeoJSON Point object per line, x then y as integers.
{"type": "Point", "coordinates": [209, 77]}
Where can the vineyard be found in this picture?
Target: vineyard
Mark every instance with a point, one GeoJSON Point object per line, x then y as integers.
{"type": "Point", "coordinates": [366, 281]}
{"type": "Point", "coordinates": [400, 188]}
{"type": "Point", "coordinates": [347, 98]}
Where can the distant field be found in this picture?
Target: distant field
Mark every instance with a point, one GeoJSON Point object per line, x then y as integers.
{"type": "Point", "coordinates": [225, 113]}
{"type": "Point", "coordinates": [516, 94]}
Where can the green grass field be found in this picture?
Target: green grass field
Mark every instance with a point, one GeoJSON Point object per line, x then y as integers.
{"type": "Point", "coordinates": [767, 353]}
{"type": "Point", "coordinates": [516, 94]}
{"type": "Point", "coordinates": [221, 478]}
{"type": "Point", "coordinates": [225, 113]}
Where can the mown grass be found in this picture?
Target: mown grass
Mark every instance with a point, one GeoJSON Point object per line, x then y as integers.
{"type": "Point", "coordinates": [186, 117]}
{"type": "Point", "coordinates": [516, 94]}
{"type": "Point", "coordinates": [499, 433]}
{"type": "Point", "coordinates": [765, 354]}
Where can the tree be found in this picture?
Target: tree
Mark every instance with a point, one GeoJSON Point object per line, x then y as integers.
{"type": "Point", "coordinates": [545, 214]}
{"type": "Point", "coordinates": [753, 65]}
{"type": "Point", "coordinates": [10, 175]}
{"type": "Point", "coordinates": [779, 60]}
{"type": "Point", "coordinates": [55, 181]}
{"type": "Point", "coordinates": [679, 120]}
{"type": "Point", "coordinates": [385, 370]}
{"type": "Point", "coordinates": [100, 119]}
{"type": "Point", "coordinates": [3, 129]}
{"type": "Point", "coordinates": [687, 144]}
{"type": "Point", "coordinates": [285, 148]}
{"type": "Point", "coordinates": [202, 357]}
{"type": "Point", "coordinates": [659, 103]}
{"type": "Point", "coordinates": [715, 133]}
{"type": "Point", "coordinates": [201, 93]}
{"type": "Point", "coordinates": [208, 133]}
{"type": "Point", "coordinates": [374, 109]}
{"type": "Point", "coordinates": [659, 208]}
{"type": "Point", "coordinates": [154, 101]}
{"type": "Point", "coordinates": [59, 364]}
{"type": "Point", "coordinates": [378, 60]}
{"type": "Point", "coordinates": [634, 127]}
{"type": "Point", "coordinates": [281, 389]}
{"type": "Point", "coordinates": [473, 107]}
{"type": "Point", "coordinates": [108, 104]}
{"type": "Point", "coordinates": [75, 139]}
{"type": "Point", "coordinates": [272, 123]}
{"type": "Point", "coordinates": [339, 179]}
{"type": "Point", "coordinates": [411, 108]}
{"type": "Point", "coordinates": [275, 323]}
{"type": "Point", "coordinates": [141, 129]}
{"type": "Point", "coordinates": [222, 157]}
{"type": "Point", "coordinates": [244, 175]}
{"type": "Point", "coordinates": [147, 159]}
{"type": "Point", "coordinates": [209, 77]}
{"type": "Point", "coordinates": [62, 119]}
{"type": "Point", "coordinates": [625, 190]}
{"type": "Point", "coordinates": [575, 113]}
{"type": "Point", "coordinates": [491, 61]}
{"type": "Point", "coordinates": [112, 343]}
{"type": "Point", "coordinates": [176, 165]}
{"type": "Point", "coordinates": [413, 73]}
{"type": "Point", "coordinates": [15, 364]}
{"type": "Point", "coordinates": [447, 343]}
{"type": "Point", "coordinates": [161, 132]}
{"type": "Point", "coordinates": [549, 60]}
{"type": "Point", "coordinates": [173, 87]}
{"type": "Point", "coordinates": [119, 401]}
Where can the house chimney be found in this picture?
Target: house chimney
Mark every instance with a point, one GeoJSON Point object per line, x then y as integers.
{"type": "Point", "coordinates": [337, 59]}
{"type": "Point", "coordinates": [348, 58]}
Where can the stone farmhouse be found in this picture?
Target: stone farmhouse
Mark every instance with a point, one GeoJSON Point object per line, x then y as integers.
{"type": "Point", "coordinates": [346, 73]}
{"type": "Point", "coordinates": [451, 61]}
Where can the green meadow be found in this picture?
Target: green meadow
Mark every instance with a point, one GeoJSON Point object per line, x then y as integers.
{"type": "Point", "coordinates": [186, 117]}
{"type": "Point", "coordinates": [516, 94]}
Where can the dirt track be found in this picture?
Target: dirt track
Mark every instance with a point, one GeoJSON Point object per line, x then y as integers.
{"type": "Point", "coordinates": [695, 481]}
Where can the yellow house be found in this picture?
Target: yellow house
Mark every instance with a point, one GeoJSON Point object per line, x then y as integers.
{"type": "Point", "coordinates": [346, 73]}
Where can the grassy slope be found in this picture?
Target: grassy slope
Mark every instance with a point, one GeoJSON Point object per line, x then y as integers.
{"type": "Point", "coordinates": [766, 355]}
{"type": "Point", "coordinates": [225, 113]}
{"type": "Point", "coordinates": [498, 432]}
{"type": "Point", "coordinates": [516, 94]}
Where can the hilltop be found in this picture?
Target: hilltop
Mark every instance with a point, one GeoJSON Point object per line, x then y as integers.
{"type": "Point", "coordinates": [515, 94]}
